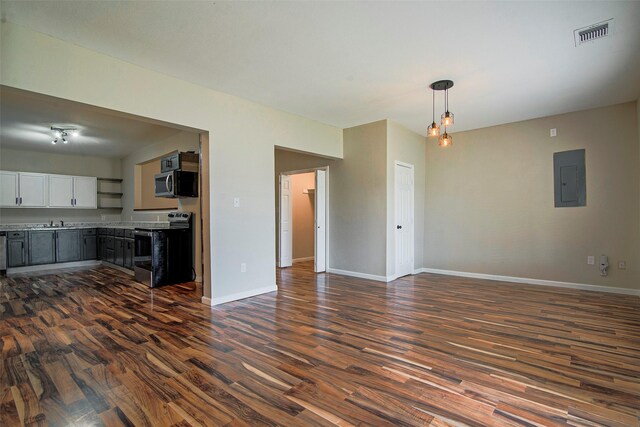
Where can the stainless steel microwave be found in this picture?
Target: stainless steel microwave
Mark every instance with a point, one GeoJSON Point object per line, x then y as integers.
{"type": "Point", "coordinates": [176, 183]}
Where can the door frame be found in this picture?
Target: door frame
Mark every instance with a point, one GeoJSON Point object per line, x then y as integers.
{"type": "Point", "coordinates": [397, 163]}
{"type": "Point", "coordinates": [327, 211]}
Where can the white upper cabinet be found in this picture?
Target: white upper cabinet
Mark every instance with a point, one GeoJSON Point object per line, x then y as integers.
{"type": "Point", "coordinates": [39, 190]}
{"type": "Point", "coordinates": [33, 190]}
{"type": "Point", "coordinates": [23, 189]}
{"type": "Point", "coordinates": [60, 191]}
{"type": "Point", "coordinates": [9, 189]}
{"type": "Point", "coordinates": [85, 192]}
{"type": "Point", "coordinates": [73, 192]}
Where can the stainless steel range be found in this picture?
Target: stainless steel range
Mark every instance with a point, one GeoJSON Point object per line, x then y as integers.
{"type": "Point", "coordinates": [164, 256]}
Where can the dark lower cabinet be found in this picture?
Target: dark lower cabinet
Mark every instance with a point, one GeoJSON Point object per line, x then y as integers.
{"type": "Point", "coordinates": [100, 247]}
{"type": "Point", "coordinates": [89, 247]}
{"type": "Point", "coordinates": [68, 247]}
{"type": "Point", "coordinates": [42, 247]}
{"type": "Point", "coordinates": [109, 251]}
{"type": "Point", "coordinates": [119, 251]}
{"type": "Point", "coordinates": [17, 252]}
{"type": "Point", "coordinates": [128, 254]}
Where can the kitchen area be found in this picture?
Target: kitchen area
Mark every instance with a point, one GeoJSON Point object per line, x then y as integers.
{"type": "Point", "coordinates": [81, 188]}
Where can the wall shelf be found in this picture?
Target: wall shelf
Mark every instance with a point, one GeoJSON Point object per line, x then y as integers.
{"type": "Point", "coordinates": [110, 193]}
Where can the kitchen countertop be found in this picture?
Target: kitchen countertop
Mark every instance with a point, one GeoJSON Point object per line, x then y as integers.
{"type": "Point", "coordinates": [83, 225]}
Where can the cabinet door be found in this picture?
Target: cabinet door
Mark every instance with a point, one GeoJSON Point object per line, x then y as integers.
{"type": "Point", "coordinates": [68, 246]}
{"type": "Point", "coordinates": [8, 189]}
{"type": "Point", "coordinates": [16, 253]}
{"type": "Point", "coordinates": [128, 253]}
{"type": "Point", "coordinates": [119, 252]}
{"type": "Point", "coordinates": [99, 247]}
{"type": "Point", "coordinates": [60, 191]}
{"type": "Point", "coordinates": [32, 190]}
{"type": "Point", "coordinates": [85, 192]}
{"type": "Point", "coordinates": [42, 248]}
{"type": "Point", "coordinates": [89, 247]}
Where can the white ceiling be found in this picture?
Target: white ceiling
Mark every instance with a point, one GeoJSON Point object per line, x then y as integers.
{"type": "Point", "coordinates": [26, 119]}
{"type": "Point", "coordinates": [348, 63]}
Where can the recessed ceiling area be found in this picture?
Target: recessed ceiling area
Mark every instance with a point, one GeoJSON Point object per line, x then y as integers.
{"type": "Point", "coordinates": [26, 119]}
{"type": "Point", "coordinates": [349, 63]}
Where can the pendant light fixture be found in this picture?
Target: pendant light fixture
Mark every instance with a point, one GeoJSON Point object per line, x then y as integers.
{"type": "Point", "coordinates": [446, 119]}
{"type": "Point", "coordinates": [434, 129]}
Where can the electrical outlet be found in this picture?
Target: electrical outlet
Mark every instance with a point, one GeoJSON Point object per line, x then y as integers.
{"type": "Point", "coordinates": [103, 217]}
{"type": "Point", "coordinates": [243, 267]}
{"type": "Point", "coordinates": [553, 132]}
{"type": "Point", "coordinates": [622, 265]}
{"type": "Point", "coordinates": [591, 260]}
{"type": "Point", "coordinates": [236, 202]}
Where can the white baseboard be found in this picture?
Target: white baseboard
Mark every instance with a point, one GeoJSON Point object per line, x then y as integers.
{"type": "Point", "coordinates": [57, 266]}
{"type": "Point", "coordinates": [309, 258]}
{"type": "Point", "coordinates": [239, 295]}
{"type": "Point", "coordinates": [359, 275]}
{"type": "Point", "coordinates": [529, 281]}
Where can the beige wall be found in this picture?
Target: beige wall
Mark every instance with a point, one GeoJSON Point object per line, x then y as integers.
{"type": "Point", "coordinates": [490, 208]}
{"type": "Point", "coordinates": [145, 190]}
{"type": "Point", "coordinates": [358, 201]}
{"type": "Point", "coordinates": [242, 135]}
{"type": "Point", "coordinates": [408, 147]}
{"type": "Point", "coordinates": [182, 141]}
{"type": "Point", "coordinates": [33, 161]}
{"type": "Point", "coordinates": [303, 215]}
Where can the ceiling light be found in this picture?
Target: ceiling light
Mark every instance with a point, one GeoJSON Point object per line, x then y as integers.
{"type": "Point", "coordinates": [433, 129]}
{"type": "Point", "coordinates": [447, 118]}
{"type": "Point", "coordinates": [445, 139]}
{"type": "Point", "coordinates": [63, 133]}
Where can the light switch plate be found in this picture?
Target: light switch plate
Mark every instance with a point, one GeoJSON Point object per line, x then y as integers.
{"type": "Point", "coordinates": [236, 202]}
{"type": "Point", "coordinates": [243, 267]}
{"type": "Point", "coordinates": [553, 132]}
{"type": "Point", "coordinates": [591, 260]}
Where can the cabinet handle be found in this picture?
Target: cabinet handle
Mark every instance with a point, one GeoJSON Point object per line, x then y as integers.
{"type": "Point", "coordinates": [20, 200]}
{"type": "Point", "coordinates": [17, 198]}
{"type": "Point", "coordinates": [22, 250]}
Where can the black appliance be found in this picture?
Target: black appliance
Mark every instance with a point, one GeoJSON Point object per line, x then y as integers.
{"type": "Point", "coordinates": [164, 256]}
{"type": "Point", "coordinates": [176, 183]}
{"type": "Point", "coordinates": [180, 160]}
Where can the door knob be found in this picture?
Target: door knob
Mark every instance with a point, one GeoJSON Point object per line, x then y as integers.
{"type": "Point", "coordinates": [398, 227]}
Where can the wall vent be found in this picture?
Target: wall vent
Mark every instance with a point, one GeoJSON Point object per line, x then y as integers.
{"type": "Point", "coordinates": [592, 32]}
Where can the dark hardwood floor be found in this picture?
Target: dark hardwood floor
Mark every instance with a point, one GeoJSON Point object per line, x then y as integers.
{"type": "Point", "coordinates": [93, 347]}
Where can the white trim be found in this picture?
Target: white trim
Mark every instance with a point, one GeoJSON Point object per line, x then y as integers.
{"type": "Point", "coordinates": [360, 275]}
{"type": "Point", "coordinates": [57, 266]}
{"type": "Point", "coordinates": [206, 300]}
{"type": "Point", "coordinates": [395, 216]}
{"type": "Point", "coordinates": [309, 258]}
{"type": "Point", "coordinates": [530, 281]}
{"type": "Point", "coordinates": [240, 295]}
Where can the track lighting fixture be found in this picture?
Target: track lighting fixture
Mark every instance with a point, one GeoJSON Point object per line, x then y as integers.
{"type": "Point", "coordinates": [61, 134]}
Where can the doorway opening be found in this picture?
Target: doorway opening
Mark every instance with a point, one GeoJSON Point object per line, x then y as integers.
{"type": "Point", "coordinates": [302, 219]}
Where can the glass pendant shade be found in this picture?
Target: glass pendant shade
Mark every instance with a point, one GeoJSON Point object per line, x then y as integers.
{"type": "Point", "coordinates": [433, 130]}
{"type": "Point", "coordinates": [445, 140]}
{"type": "Point", "coordinates": [446, 119]}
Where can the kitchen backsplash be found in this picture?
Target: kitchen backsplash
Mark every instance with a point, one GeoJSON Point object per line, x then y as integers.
{"type": "Point", "coordinates": [42, 216]}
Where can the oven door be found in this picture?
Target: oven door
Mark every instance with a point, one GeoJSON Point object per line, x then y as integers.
{"type": "Point", "coordinates": [165, 184]}
{"type": "Point", "coordinates": [142, 256]}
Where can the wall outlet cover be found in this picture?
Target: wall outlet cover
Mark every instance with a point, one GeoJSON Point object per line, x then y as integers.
{"type": "Point", "coordinates": [622, 265]}
{"type": "Point", "coordinates": [236, 202]}
{"type": "Point", "coordinates": [591, 260]}
{"type": "Point", "coordinates": [553, 132]}
{"type": "Point", "coordinates": [243, 267]}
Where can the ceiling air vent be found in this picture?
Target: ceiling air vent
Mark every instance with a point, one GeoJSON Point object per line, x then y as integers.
{"type": "Point", "coordinates": [592, 32]}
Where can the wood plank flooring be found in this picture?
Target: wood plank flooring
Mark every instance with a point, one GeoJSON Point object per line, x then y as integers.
{"type": "Point", "coordinates": [93, 347]}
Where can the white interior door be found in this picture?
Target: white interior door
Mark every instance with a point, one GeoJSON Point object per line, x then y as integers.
{"type": "Point", "coordinates": [404, 218]}
{"type": "Point", "coordinates": [286, 213]}
{"type": "Point", "coordinates": [60, 191]}
{"type": "Point", "coordinates": [320, 213]}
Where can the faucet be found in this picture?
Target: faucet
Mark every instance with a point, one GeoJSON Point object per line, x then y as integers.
{"type": "Point", "coordinates": [61, 223]}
